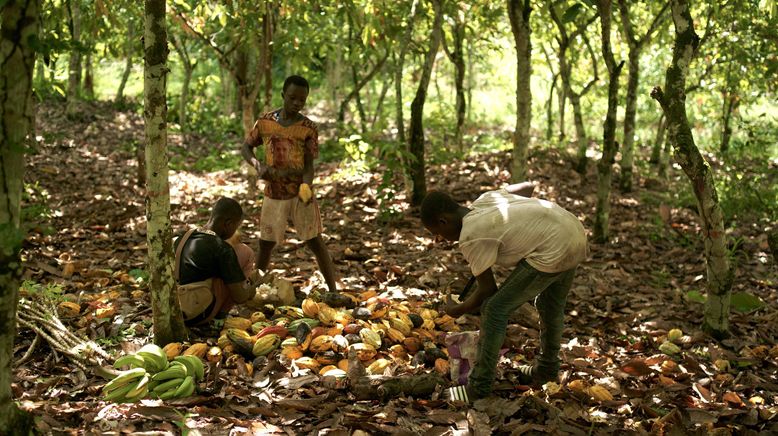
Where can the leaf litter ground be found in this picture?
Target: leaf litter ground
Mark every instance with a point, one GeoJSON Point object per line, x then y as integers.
{"type": "Point", "coordinates": [625, 299]}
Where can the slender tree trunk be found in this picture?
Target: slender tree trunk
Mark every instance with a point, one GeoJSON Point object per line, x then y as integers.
{"type": "Point", "coordinates": [398, 75]}
{"type": "Point", "coordinates": [561, 102]}
{"type": "Point", "coordinates": [17, 54]}
{"type": "Point", "coordinates": [228, 87]}
{"type": "Point", "coordinates": [358, 101]}
{"type": "Point", "coordinates": [550, 108]}
{"type": "Point", "coordinates": [673, 101]}
{"type": "Point", "coordinates": [519, 13]}
{"type": "Point", "coordinates": [457, 57]}
{"type": "Point", "coordinates": [359, 84]}
{"type": "Point", "coordinates": [627, 149]}
{"type": "Point", "coordinates": [656, 149]}
{"type": "Point", "coordinates": [731, 102]}
{"type": "Point", "coordinates": [379, 110]}
{"type": "Point", "coordinates": [416, 143]}
{"type": "Point", "coordinates": [609, 146]}
{"type": "Point", "coordinates": [168, 321]}
{"type": "Point", "coordinates": [89, 80]}
{"type": "Point", "coordinates": [667, 153]}
{"type": "Point", "coordinates": [470, 79]}
{"type": "Point", "coordinates": [580, 133]}
{"type": "Point", "coordinates": [74, 70]}
{"type": "Point", "coordinates": [268, 27]}
{"type": "Point", "coordinates": [128, 50]}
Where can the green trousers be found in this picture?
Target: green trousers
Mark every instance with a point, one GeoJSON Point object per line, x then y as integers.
{"type": "Point", "coordinates": [523, 284]}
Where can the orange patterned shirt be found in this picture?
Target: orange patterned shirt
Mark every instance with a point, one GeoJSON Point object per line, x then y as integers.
{"type": "Point", "coordinates": [285, 148]}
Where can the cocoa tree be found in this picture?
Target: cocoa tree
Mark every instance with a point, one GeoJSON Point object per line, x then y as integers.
{"type": "Point", "coordinates": [168, 321]}
{"type": "Point", "coordinates": [74, 66]}
{"type": "Point", "coordinates": [672, 99]}
{"type": "Point", "coordinates": [635, 42]}
{"type": "Point", "coordinates": [417, 166]}
{"type": "Point", "coordinates": [19, 34]}
{"type": "Point", "coordinates": [518, 14]}
{"type": "Point", "coordinates": [609, 144]}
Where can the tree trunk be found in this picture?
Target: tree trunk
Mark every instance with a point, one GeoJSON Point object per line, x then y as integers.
{"type": "Point", "coordinates": [561, 102]}
{"type": "Point", "coordinates": [266, 58]}
{"type": "Point", "coordinates": [673, 101]}
{"type": "Point", "coordinates": [228, 87]}
{"type": "Point", "coordinates": [470, 79]}
{"type": "Point", "coordinates": [128, 49]}
{"type": "Point", "coordinates": [731, 102]}
{"type": "Point", "coordinates": [582, 161]}
{"type": "Point", "coordinates": [609, 146]}
{"type": "Point", "coordinates": [656, 149]}
{"type": "Point", "coordinates": [89, 80]}
{"type": "Point", "coordinates": [20, 31]}
{"type": "Point", "coordinates": [550, 108]}
{"type": "Point", "coordinates": [168, 321]}
{"type": "Point", "coordinates": [398, 75]}
{"type": "Point", "coordinates": [74, 67]}
{"type": "Point", "coordinates": [664, 159]}
{"type": "Point", "coordinates": [358, 101]}
{"type": "Point", "coordinates": [519, 12]}
{"type": "Point", "coordinates": [627, 149]}
{"type": "Point", "coordinates": [416, 143]}
{"type": "Point", "coordinates": [379, 110]}
{"type": "Point", "coordinates": [457, 58]}
{"type": "Point", "coordinates": [358, 85]}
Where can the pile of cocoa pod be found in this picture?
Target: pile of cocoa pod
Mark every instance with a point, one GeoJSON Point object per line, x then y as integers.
{"type": "Point", "coordinates": [319, 334]}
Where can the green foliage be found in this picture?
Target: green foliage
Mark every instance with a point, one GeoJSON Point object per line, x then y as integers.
{"type": "Point", "coordinates": [745, 302]}
{"type": "Point", "coordinates": [35, 209]}
{"type": "Point", "coordinates": [52, 291]}
{"type": "Point", "coordinates": [696, 296]}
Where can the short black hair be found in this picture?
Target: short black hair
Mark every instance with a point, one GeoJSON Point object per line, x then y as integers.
{"type": "Point", "coordinates": [226, 208]}
{"type": "Point", "coordinates": [296, 80]}
{"type": "Point", "coordinates": [435, 204]}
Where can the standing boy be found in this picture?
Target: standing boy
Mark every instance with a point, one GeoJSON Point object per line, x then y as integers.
{"type": "Point", "coordinates": [291, 144]}
{"type": "Point", "coordinates": [542, 242]}
{"type": "Point", "coordinates": [213, 274]}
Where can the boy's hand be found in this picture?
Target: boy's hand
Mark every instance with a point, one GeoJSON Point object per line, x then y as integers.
{"type": "Point", "coordinates": [305, 193]}
{"type": "Point", "coordinates": [451, 307]}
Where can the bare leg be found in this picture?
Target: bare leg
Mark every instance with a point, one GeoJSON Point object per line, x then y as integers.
{"type": "Point", "coordinates": [263, 258]}
{"type": "Point", "coordinates": [324, 260]}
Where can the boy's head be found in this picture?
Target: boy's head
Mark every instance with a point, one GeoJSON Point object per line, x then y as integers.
{"type": "Point", "coordinates": [226, 217]}
{"type": "Point", "coordinates": [294, 93]}
{"type": "Point", "coordinates": [441, 215]}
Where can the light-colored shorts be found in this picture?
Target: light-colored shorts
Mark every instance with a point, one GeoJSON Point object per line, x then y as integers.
{"type": "Point", "coordinates": [276, 215]}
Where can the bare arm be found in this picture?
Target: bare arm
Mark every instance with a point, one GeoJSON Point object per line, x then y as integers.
{"type": "Point", "coordinates": [525, 189]}
{"type": "Point", "coordinates": [486, 288]}
{"type": "Point", "coordinates": [308, 168]}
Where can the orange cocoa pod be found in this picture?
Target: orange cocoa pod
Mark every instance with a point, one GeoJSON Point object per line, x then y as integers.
{"type": "Point", "coordinates": [198, 350]}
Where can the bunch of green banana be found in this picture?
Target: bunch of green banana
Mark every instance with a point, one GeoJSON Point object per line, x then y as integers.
{"type": "Point", "coordinates": [179, 387]}
{"type": "Point", "coordinates": [129, 386]}
{"type": "Point", "coordinates": [150, 357]}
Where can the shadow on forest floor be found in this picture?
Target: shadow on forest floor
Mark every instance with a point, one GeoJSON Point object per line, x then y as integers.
{"type": "Point", "coordinates": [625, 299]}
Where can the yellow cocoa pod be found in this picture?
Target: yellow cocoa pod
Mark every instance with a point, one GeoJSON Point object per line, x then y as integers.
{"type": "Point", "coordinates": [292, 352]}
{"type": "Point", "coordinates": [173, 349]}
{"type": "Point", "coordinates": [395, 335]}
{"type": "Point", "coordinates": [68, 309]}
{"type": "Point", "coordinates": [325, 369]}
{"type": "Point", "coordinates": [199, 349]}
{"type": "Point", "coordinates": [257, 317]}
{"type": "Point", "coordinates": [223, 341]}
{"type": "Point", "coordinates": [599, 393]}
{"type": "Point", "coordinates": [441, 365]}
{"type": "Point", "coordinates": [320, 344]}
{"type": "Point", "coordinates": [412, 344]}
{"type": "Point", "coordinates": [335, 372]}
{"type": "Point", "coordinates": [378, 367]}
{"type": "Point", "coordinates": [214, 355]}
{"type": "Point", "coordinates": [241, 340]}
{"type": "Point", "coordinates": [371, 338]}
{"type": "Point", "coordinates": [327, 315]}
{"type": "Point", "coordinates": [424, 335]}
{"type": "Point", "coordinates": [266, 344]}
{"type": "Point", "coordinates": [669, 348]}
{"type": "Point", "coordinates": [428, 314]}
{"type": "Point", "coordinates": [343, 318]}
{"type": "Point", "coordinates": [237, 323]}
{"type": "Point", "coordinates": [364, 351]}
{"type": "Point", "coordinates": [444, 319]}
{"type": "Point", "coordinates": [378, 310]}
{"type": "Point", "coordinates": [577, 385]}
{"type": "Point", "coordinates": [398, 351]}
{"type": "Point", "coordinates": [310, 308]}
{"type": "Point", "coordinates": [428, 324]}
{"type": "Point", "coordinates": [402, 326]}
{"type": "Point", "coordinates": [674, 334]}
{"type": "Point", "coordinates": [343, 364]}
{"type": "Point", "coordinates": [305, 193]}
{"type": "Point", "coordinates": [306, 363]}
